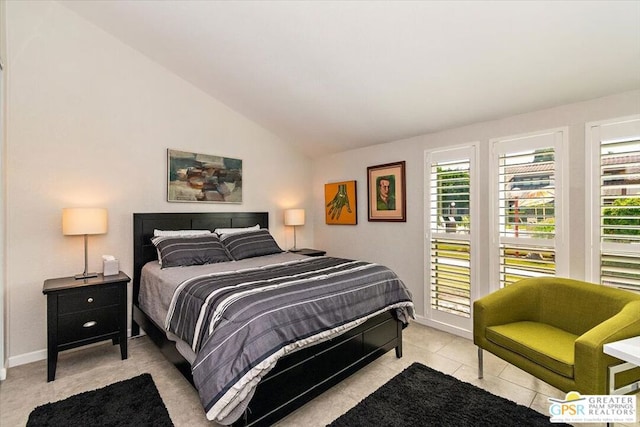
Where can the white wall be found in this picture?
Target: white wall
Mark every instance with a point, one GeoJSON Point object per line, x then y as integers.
{"type": "Point", "coordinates": [401, 245]}
{"type": "Point", "coordinates": [3, 56]}
{"type": "Point", "coordinates": [89, 123]}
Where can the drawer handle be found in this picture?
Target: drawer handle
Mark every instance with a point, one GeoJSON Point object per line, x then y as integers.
{"type": "Point", "coordinates": [90, 324]}
{"type": "Point", "coordinates": [89, 300]}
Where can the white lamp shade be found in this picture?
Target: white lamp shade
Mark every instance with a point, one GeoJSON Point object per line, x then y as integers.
{"type": "Point", "coordinates": [294, 217]}
{"type": "Point", "coordinates": [77, 221]}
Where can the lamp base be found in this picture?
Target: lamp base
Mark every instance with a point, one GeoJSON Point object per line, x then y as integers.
{"type": "Point", "coordinates": [294, 249]}
{"type": "Point", "coordinates": [85, 276]}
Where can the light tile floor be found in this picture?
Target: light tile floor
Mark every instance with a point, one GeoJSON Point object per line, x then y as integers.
{"type": "Point", "coordinates": [94, 367]}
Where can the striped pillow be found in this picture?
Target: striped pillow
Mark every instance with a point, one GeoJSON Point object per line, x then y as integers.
{"type": "Point", "coordinates": [250, 244]}
{"type": "Point", "coordinates": [178, 251]}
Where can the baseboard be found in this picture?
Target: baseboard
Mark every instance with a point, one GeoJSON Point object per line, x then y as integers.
{"type": "Point", "coordinates": [23, 359]}
{"type": "Point", "coordinates": [35, 356]}
{"type": "Point", "coordinates": [3, 374]}
{"type": "Point", "coordinates": [444, 327]}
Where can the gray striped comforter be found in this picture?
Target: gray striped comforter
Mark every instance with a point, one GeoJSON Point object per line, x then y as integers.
{"type": "Point", "coordinates": [240, 323]}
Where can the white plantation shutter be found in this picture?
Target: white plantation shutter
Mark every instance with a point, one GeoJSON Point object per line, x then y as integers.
{"type": "Point", "coordinates": [450, 276]}
{"type": "Point", "coordinates": [450, 205]}
{"type": "Point", "coordinates": [620, 270]}
{"type": "Point", "coordinates": [529, 205]}
{"type": "Point", "coordinates": [615, 162]}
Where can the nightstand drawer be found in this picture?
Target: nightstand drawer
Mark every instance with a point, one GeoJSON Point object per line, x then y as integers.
{"type": "Point", "coordinates": [87, 324]}
{"type": "Point", "coordinates": [88, 299]}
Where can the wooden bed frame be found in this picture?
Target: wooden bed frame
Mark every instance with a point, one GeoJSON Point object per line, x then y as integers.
{"type": "Point", "coordinates": [298, 377]}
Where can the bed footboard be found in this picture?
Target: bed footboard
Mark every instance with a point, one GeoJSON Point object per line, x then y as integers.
{"type": "Point", "coordinates": [303, 375]}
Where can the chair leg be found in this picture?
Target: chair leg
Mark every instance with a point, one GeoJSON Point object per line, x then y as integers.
{"type": "Point", "coordinates": [480, 367]}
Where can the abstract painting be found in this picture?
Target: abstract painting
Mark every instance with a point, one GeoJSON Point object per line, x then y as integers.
{"type": "Point", "coordinates": [194, 177]}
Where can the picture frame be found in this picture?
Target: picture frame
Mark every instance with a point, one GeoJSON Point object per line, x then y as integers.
{"type": "Point", "coordinates": [386, 191]}
{"type": "Point", "coordinates": [340, 203]}
{"type": "Point", "coordinates": [203, 178]}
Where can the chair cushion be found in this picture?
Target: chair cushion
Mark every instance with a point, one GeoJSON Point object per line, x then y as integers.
{"type": "Point", "coordinates": [543, 344]}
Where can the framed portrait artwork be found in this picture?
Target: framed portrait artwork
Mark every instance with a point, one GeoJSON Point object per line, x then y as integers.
{"type": "Point", "coordinates": [340, 203]}
{"type": "Point", "coordinates": [386, 192]}
{"type": "Point", "coordinates": [194, 177]}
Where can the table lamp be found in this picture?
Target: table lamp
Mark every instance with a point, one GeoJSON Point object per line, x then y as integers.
{"type": "Point", "coordinates": [84, 221]}
{"type": "Point", "coordinates": [294, 217]}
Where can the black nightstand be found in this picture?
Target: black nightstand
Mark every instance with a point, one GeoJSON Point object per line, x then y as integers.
{"type": "Point", "coordinates": [309, 252]}
{"type": "Point", "coordinates": [85, 311]}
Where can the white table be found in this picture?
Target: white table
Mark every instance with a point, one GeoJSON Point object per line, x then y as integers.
{"type": "Point", "coordinates": [629, 351]}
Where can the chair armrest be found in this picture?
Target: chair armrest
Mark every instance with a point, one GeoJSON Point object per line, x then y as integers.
{"type": "Point", "coordinates": [590, 361]}
{"type": "Point", "coordinates": [511, 304]}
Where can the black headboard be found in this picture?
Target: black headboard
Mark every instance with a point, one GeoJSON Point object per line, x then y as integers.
{"type": "Point", "coordinates": [145, 223]}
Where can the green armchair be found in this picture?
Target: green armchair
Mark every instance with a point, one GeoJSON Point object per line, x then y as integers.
{"type": "Point", "coordinates": [555, 328]}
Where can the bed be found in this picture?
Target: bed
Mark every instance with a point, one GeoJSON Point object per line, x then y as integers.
{"type": "Point", "coordinates": [298, 376]}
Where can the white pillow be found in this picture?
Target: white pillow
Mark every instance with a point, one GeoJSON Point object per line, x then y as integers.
{"type": "Point", "coordinates": [221, 231]}
{"type": "Point", "coordinates": [179, 233]}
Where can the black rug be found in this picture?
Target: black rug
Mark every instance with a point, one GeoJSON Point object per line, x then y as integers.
{"type": "Point", "coordinates": [133, 402]}
{"type": "Point", "coordinates": [421, 396]}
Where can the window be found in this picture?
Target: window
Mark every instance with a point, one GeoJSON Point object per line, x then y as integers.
{"type": "Point", "coordinates": [528, 210]}
{"type": "Point", "coordinates": [614, 227]}
{"type": "Point", "coordinates": [450, 206]}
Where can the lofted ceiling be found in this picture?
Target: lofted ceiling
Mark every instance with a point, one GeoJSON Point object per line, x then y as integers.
{"type": "Point", "coordinates": [329, 76]}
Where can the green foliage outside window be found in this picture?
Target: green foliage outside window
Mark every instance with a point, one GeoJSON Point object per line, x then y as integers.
{"type": "Point", "coordinates": [544, 229]}
{"type": "Point", "coordinates": [452, 183]}
{"type": "Point", "coordinates": [544, 155]}
{"type": "Point", "coordinates": [624, 218]}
